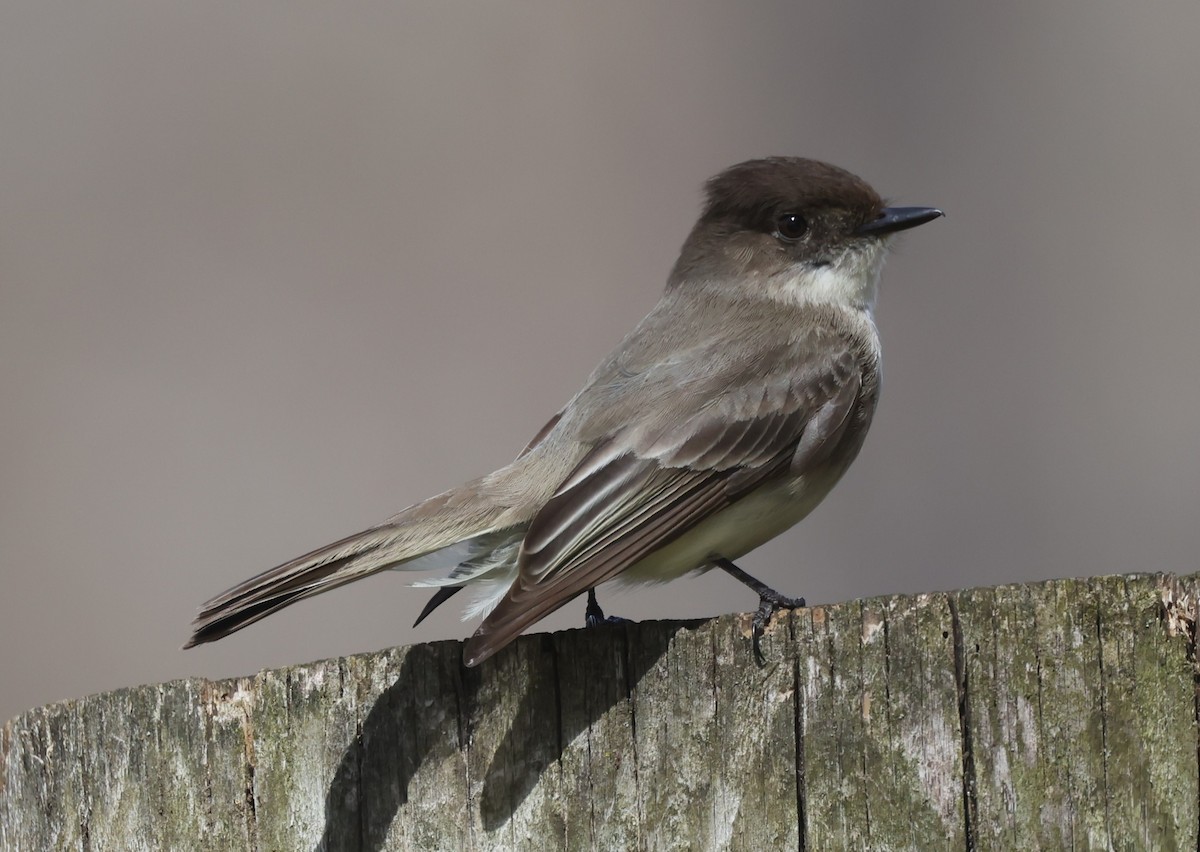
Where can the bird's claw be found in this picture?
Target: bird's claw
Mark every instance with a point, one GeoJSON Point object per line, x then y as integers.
{"type": "Point", "coordinates": [769, 604]}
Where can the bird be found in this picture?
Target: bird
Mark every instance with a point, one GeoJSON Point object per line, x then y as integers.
{"type": "Point", "coordinates": [721, 420]}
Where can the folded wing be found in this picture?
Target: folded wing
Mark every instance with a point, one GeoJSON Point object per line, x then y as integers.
{"type": "Point", "coordinates": [643, 487]}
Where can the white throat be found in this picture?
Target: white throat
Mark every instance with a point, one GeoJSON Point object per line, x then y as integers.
{"type": "Point", "coordinates": [850, 281]}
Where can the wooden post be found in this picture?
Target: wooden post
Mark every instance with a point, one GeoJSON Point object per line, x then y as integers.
{"type": "Point", "coordinates": [1057, 715]}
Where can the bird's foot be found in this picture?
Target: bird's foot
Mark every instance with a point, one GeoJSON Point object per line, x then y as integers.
{"type": "Point", "coordinates": [595, 616]}
{"type": "Point", "coordinates": [769, 602]}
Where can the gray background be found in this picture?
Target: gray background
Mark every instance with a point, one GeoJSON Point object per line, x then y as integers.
{"type": "Point", "coordinates": [269, 272]}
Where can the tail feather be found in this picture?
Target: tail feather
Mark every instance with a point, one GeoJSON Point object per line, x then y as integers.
{"type": "Point", "coordinates": [421, 530]}
{"type": "Point", "coordinates": [439, 597]}
{"type": "Point", "coordinates": [305, 576]}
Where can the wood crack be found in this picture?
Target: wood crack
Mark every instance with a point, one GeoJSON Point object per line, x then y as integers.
{"type": "Point", "coordinates": [962, 682]}
{"type": "Point", "coordinates": [798, 727]}
{"type": "Point", "coordinates": [1103, 726]}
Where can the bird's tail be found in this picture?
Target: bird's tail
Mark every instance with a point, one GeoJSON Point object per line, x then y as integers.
{"type": "Point", "coordinates": [420, 530]}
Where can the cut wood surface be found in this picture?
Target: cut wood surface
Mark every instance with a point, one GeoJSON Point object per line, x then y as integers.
{"type": "Point", "coordinates": [1056, 715]}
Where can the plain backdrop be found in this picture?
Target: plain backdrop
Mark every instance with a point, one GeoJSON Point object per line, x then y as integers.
{"type": "Point", "coordinates": [270, 272]}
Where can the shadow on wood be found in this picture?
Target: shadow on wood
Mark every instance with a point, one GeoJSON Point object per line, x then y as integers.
{"type": "Point", "coordinates": [371, 782]}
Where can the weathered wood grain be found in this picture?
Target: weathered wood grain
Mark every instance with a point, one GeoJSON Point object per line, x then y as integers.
{"type": "Point", "coordinates": [1043, 716]}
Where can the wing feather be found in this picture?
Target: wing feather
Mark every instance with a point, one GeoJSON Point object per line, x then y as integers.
{"type": "Point", "coordinates": [640, 489]}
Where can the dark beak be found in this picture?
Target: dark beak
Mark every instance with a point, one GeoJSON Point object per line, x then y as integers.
{"type": "Point", "coordinates": [892, 219]}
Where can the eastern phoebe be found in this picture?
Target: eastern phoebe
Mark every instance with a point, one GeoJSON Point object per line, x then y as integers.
{"type": "Point", "coordinates": [721, 420]}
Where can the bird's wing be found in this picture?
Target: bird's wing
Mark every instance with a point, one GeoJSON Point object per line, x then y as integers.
{"type": "Point", "coordinates": [644, 486]}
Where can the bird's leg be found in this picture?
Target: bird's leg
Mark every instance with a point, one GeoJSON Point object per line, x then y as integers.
{"type": "Point", "coordinates": [594, 616]}
{"type": "Point", "coordinates": [769, 600]}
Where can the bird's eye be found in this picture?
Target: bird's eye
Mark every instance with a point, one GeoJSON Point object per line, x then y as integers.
{"type": "Point", "coordinates": [790, 227]}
